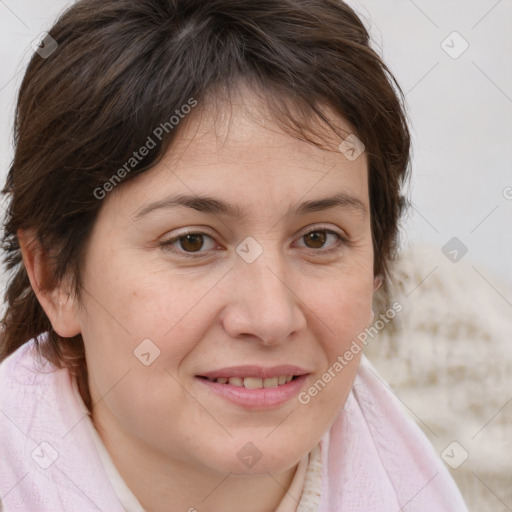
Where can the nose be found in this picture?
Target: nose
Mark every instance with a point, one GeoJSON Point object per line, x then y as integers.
{"type": "Point", "coordinates": [262, 302]}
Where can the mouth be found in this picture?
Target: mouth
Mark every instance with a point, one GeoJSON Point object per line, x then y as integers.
{"type": "Point", "coordinates": [254, 382]}
{"type": "Point", "coordinates": [255, 387]}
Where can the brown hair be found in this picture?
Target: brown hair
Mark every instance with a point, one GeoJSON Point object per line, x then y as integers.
{"type": "Point", "coordinates": [122, 68]}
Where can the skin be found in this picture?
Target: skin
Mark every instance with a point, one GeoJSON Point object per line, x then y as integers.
{"type": "Point", "coordinates": [174, 442]}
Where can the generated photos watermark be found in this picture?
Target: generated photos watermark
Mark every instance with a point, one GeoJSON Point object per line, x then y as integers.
{"type": "Point", "coordinates": [137, 156]}
{"type": "Point", "coordinates": [344, 359]}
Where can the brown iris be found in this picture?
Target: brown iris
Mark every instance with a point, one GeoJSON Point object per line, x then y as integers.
{"type": "Point", "coordinates": [316, 238]}
{"type": "Point", "coordinates": [192, 243]}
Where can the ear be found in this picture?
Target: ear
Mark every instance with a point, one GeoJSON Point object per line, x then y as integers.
{"type": "Point", "coordinates": [56, 299]}
{"type": "Point", "coordinates": [377, 283]}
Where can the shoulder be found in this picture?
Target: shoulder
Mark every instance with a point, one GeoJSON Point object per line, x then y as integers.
{"type": "Point", "coordinates": [30, 391]}
{"type": "Point", "coordinates": [45, 440]}
{"type": "Point", "coordinates": [376, 451]}
{"type": "Point", "coordinates": [24, 372]}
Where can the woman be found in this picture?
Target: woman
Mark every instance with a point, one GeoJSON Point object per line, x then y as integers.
{"type": "Point", "coordinates": [203, 201]}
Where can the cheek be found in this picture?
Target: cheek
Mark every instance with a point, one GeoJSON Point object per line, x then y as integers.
{"type": "Point", "coordinates": [342, 312]}
{"type": "Point", "coordinates": [141, 297]}
{"type": "Point", "coordinates": [132, 304]}
{"type": "Point", "coordinates": [343, 305]}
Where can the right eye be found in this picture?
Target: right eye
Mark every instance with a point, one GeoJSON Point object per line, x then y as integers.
{"type": "Point", "coordinates": [189, 244]}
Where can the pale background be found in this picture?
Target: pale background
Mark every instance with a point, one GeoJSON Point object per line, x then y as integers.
{"type": "Point", "coordinates": [458, 314]}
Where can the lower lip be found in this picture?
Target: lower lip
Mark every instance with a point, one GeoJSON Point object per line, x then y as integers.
{"type": "Point", "coordinates": [262, 398]}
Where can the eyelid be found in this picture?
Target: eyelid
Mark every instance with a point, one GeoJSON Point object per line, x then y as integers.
{"type": "Point", "coordinates": [321, 227]}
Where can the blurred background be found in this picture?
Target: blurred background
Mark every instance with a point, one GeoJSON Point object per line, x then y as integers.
{"type": "Point", "coordinates": [449, 355]}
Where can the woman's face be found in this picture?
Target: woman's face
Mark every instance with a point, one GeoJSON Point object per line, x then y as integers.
{"type": "Point", "coordinates": [274, 280]}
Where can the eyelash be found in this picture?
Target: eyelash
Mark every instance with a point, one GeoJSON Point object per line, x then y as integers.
{"type": "Point", "coordinates": [168, 244]}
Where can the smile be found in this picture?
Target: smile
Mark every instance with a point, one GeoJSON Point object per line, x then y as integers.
{"type": "Point", "coordinates": [255, 387]}
{"type": "Point", "coordinates": [255, 382]}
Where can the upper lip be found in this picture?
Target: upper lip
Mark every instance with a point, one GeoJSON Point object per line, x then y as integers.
{"type": "Point", "coordinates": [255, 371]}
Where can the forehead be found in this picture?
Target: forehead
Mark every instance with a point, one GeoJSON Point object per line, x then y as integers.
{"type": "Point", "coordinates": [246, 122]}
{"type": "Point", "coordinates": [237, 151]}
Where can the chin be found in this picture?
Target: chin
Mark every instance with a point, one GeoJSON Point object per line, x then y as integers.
{"type": "Point", "coordinates": [259, 458]}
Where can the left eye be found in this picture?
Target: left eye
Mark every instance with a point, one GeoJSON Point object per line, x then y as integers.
{"type": "Point", "coordinates": [317, 239]}
{"type": "Point", "coordinates": [191, 242]}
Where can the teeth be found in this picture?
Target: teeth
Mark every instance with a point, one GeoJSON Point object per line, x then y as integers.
{"type": "Point", "coordinates": [255, 382]}
{"type": "Point", "coordinates": [270, 382]}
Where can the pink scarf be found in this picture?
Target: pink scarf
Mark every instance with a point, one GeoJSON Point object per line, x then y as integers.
{"type": "Point", "coordinates": [374, 458]}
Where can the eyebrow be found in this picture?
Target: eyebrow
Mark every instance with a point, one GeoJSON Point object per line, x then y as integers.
{"type": "Point", "coordinates": [213, 206]}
